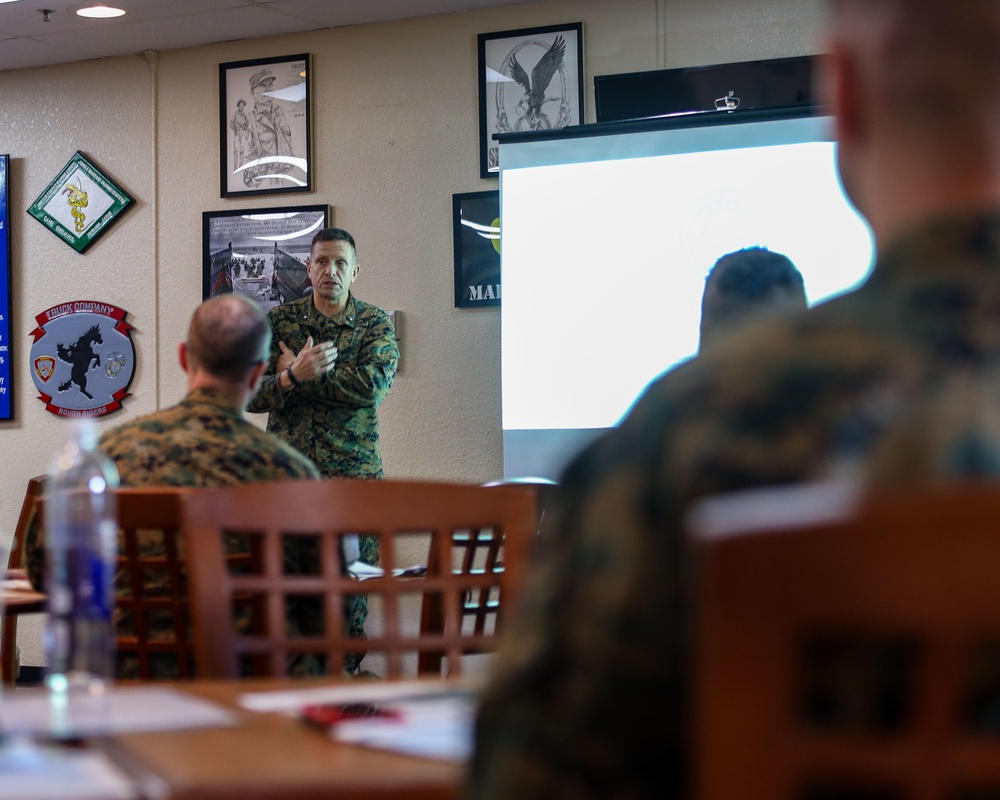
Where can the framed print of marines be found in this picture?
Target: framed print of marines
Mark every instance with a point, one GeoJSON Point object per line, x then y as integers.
{"type": "Point", "coordinates": [265, 126]}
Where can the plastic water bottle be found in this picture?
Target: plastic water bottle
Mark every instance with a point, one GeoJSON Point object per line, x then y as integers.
{"type": "Point", "coordinates": [81, 532]}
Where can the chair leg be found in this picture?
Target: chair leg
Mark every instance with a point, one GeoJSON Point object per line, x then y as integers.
{"type": "Point", "coordinates": [8, 648]}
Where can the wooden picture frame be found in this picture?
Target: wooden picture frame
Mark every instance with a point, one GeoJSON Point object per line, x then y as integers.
{"type": "Point", "coordinates": [529, 79]}
{"type": "Point", "coordinates": [265, 126]}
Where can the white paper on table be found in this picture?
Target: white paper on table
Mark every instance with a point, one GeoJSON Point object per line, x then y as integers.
{"type": "Point", "coordinates": [363, 571]}
{"type": "Point", "coordinates": [119, 710]}
{"type": "Point", "coordinates": [38, 772]}
{"type": "Point", "coordinates": [435, 717]}
{"type": "Point", "coordinates": [433, 726]}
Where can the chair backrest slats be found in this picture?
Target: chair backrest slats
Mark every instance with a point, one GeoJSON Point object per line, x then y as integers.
{"type": "Point", "coordinates": [286, 518]}
{"type": "Point", "coordinates": [153, 636]}
{"type": "Point", "coordinates": [854, 657]}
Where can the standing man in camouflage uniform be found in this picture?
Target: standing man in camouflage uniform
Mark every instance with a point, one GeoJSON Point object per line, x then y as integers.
{"type": "Point", "coordinates": [332, 362]}
{"type": "Point", "coordinates": [895, 383]}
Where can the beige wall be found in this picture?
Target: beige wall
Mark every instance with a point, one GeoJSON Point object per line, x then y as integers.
{"type": "Point", "coordinates": [396, 126]}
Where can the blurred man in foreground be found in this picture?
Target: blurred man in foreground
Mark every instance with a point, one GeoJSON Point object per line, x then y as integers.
{"type": "Point", "coordinates": [897, 382]}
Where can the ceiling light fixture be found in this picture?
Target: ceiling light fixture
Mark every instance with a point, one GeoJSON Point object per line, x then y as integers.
{"type": "Point", "coordinates": [100, 12]}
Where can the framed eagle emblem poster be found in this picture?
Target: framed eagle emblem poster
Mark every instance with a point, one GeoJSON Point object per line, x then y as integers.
{"type": "Point", "coordinates": [529, 80]}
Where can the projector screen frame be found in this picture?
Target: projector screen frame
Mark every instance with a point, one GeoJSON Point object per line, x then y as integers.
{"type": "Point", "coordinates": [536, 448]}
{"type": "Point", "coordinates": [692, 119]}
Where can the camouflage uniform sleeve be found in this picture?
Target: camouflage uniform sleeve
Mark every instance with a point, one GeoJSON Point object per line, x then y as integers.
{"type": "Point", "coordinates": [367, 381]}
{"type": "Point", "coordinates": [270, 395]}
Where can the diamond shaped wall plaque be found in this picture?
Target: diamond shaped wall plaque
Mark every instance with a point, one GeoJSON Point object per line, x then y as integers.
{"type": "Point", "coordinates": [80, 204]}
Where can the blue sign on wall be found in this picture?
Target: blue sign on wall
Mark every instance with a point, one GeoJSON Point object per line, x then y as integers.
{"type": "Point", "coordinates": [6, 390]}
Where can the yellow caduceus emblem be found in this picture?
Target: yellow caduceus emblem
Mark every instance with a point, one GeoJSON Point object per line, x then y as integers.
{"type": "Point", "coordinates": [45, 366]}
{"type": "Point", "coordinates": [77, 199]}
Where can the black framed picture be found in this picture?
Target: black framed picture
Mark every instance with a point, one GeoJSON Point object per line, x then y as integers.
{"type": "Point", "coordinates": [260, 253]}
{"type": "Point", "coordinates": [265, 126]}
{"type": "Point", "coordinates": [6, 389]}
{"type": "Point", "coordinates": [529, 79]}
{"type": "Point", "coordinates": [476, 231]}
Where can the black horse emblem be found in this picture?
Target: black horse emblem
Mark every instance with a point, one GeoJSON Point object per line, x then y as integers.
{"type": "Point", "coordinates": [81, 356]}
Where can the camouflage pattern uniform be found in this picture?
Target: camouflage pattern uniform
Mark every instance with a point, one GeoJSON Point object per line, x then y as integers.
{"type": "Point", "coordinates": [204, 442]}
{"type": "Point", "coordinates": [201, 442]}
{"type": "Point", "coordinates": [896, 383]}
{"type": "Point", "coordinates": [334, 419]}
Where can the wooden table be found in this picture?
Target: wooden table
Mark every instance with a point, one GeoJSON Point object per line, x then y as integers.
{"type": "Point", "coordinates": [20, 601]}
{"type": "Point", "coordinates": [271, 756]}
{"type": "Point", "coordinates": [14, 602]}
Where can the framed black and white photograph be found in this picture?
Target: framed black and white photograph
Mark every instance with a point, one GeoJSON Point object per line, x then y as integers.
{"type": "Point", "coordinates": [476, 230]}
{"type": "Point", "coordinates": [260, 253]}
{"type": "Point", "coordinates": [529, 80]}
{"type": "Point", "coordinates": [265, 126]}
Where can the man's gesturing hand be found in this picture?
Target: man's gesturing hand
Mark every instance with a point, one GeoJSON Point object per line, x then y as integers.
{"type": "Point", "coordinates": [310, 362]}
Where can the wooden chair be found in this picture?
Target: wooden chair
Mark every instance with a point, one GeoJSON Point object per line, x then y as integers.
{"type": "Point", "coordinates": [473, 552]}
{"type": "Point", "coordinates": [153, 630]}
{"type": "Point", "coordinates": [545, 492]}
{"type": "Point", "coordinates": [278, 516]}
{"type": "Point", "coordinates": [15, 560]}
{"type": "Point", "coordinates": [852, 655]}
{"type": "Point", "coordinates": [153, 638]}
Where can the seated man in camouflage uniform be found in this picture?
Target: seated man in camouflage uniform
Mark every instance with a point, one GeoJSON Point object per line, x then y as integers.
{"type": "Point", "coordinates": [205, 440]}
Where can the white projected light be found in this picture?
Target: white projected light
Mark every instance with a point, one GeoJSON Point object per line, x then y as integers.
{"type": "Point", "coordinates": [606, 244]}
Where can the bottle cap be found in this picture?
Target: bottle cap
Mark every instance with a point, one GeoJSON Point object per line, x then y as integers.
{"type": "Point", "coordinates": [84, 432]}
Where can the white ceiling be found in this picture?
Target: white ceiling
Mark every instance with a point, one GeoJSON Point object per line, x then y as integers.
{"type": "Point", "coordinates": [26, 40]}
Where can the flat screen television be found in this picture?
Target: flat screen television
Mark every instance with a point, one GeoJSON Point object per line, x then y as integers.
{"type": "Point", "coordinates": [608, 232]}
